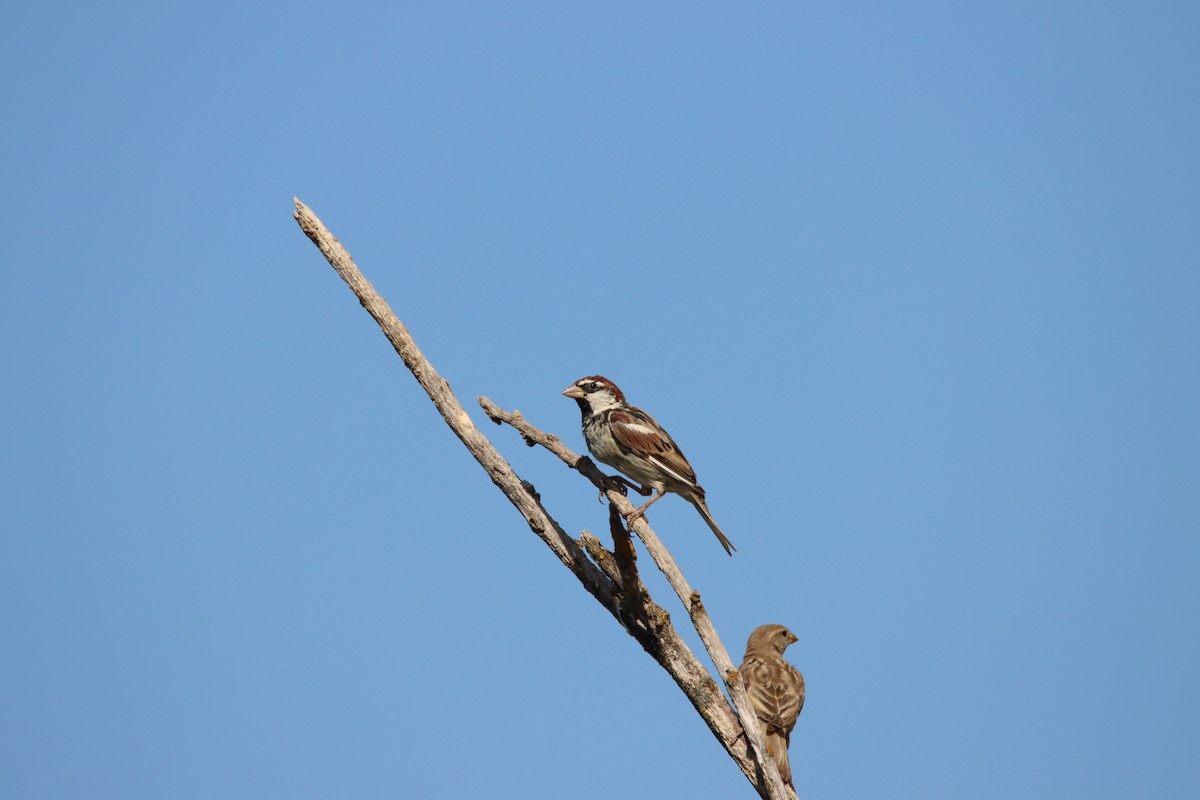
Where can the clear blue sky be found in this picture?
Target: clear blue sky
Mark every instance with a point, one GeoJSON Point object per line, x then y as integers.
{"type": "Point", "coordinates": [916, 286]}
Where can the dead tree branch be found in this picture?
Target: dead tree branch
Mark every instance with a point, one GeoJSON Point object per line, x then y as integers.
{"type": "Point", "coordinates": [662, 557]}
{"type": "Point", "coordinates": [610, 577]}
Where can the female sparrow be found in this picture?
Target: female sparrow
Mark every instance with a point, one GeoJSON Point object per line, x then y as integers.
{"type": "Point", "coordinates": [776, 689]}
{"type": "Point", "coordinates": [627, 438]}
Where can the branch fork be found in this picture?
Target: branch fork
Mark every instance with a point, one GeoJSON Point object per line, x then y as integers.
{"type": "Point", "coordinates": [611, 577]}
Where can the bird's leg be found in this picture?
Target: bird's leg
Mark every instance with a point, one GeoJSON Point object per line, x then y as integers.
{"type": "Point", "coordinates": [634, 486]}
{"type": "Point", "coordinates": [619, 483]}
{"type": "Point", "coordinates": [638, 513]}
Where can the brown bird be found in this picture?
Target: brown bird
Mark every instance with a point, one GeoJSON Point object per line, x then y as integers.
{"type": "Point", "coordinates": [623, 436]}
{"type": "Point", "coordinates": [776, 689]}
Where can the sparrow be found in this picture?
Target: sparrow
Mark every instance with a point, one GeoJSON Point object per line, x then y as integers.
{"type": "Point", "coordinates": [627, 438]}
{"type": "Point", "coordinates": [776, 689]}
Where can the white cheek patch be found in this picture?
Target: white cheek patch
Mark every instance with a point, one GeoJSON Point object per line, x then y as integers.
{"type": "Point", "coordinates": [601, 401]}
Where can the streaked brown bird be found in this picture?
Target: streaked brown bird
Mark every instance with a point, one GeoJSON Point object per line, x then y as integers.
{"type": "Point", "coordinates": [623, 436]}
{"type": "Point", "coordinates": [776, 689]}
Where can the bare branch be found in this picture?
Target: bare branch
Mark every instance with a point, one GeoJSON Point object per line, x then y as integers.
{"type": "Point", "coordinates": [666, 563]}
{"type": "Point", "coordinates": [609, 577]}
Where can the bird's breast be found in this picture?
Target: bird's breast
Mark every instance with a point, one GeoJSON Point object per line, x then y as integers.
{"type": "Point", "coordinates": [604, 447]}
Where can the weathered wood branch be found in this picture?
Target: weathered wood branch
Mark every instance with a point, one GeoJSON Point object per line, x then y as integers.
{"type": "Point", "coordinates": [666, 564]}
{"type": "Point", "coordinates": [610, 577]}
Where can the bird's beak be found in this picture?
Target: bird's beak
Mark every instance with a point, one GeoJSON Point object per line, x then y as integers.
{"type": "Point", "coordinates": [574, 392]}
{"type": "Point", "coordinates": [792, 638]}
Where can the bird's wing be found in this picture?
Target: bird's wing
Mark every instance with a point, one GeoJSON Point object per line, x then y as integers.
{"type": "Point", "coordinates": [637, 432]}
{"type": "Point", "coordinates": [776, 689]}
{"type": "Point", "coordinates": [797, 682]}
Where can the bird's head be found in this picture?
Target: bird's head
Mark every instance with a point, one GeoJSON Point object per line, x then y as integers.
{"type": "Point", "coordinates": [594, 394]}
{"type": "Point", "coordinates": [770, 639]}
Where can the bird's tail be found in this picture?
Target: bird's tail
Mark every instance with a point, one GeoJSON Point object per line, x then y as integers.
{"type": "Point", "coordinates": [779, 747]}
{"type": "Point", "coordinates": [698, 501]}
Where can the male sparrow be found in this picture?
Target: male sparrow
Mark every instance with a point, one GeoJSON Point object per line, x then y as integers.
{"type": "Point", "coordinates": [776, 689]}
{"type": "Point", "coordinates": [627, 438]}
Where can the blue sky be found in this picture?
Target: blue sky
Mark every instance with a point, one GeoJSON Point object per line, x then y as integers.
{"type": "Point", "coordinates": [915, 286]}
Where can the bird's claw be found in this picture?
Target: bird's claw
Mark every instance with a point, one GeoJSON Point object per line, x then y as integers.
{"type": "Point", "coordinates": [615, 483]}
{"type": "Point", "coordinates": [621, 484]}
